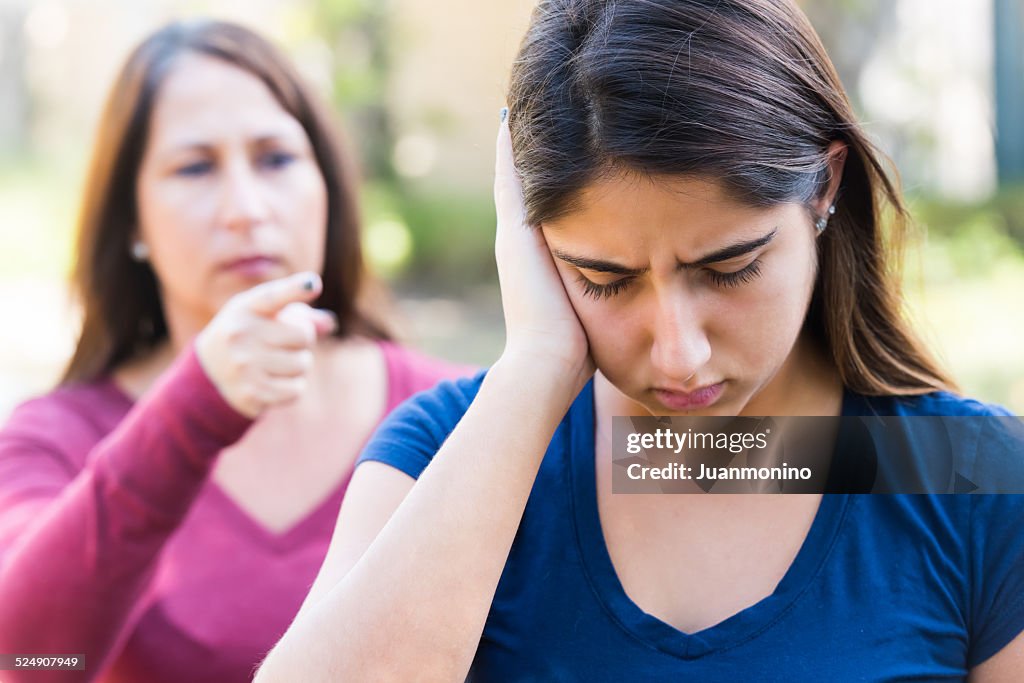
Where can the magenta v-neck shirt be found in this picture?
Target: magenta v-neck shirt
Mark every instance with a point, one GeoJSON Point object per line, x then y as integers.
{"type": "Point", "coordinates": [115, 543]}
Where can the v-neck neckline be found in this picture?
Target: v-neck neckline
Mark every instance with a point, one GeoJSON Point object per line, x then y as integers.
{"type": "Point", "coordinates": [742, 626]}
{"type": "Point", "coordinates": [297, 532]}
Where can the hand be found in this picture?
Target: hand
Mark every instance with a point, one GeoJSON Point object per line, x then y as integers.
{"type": "Point", "coordinates": [540, 323]}
{"type": "Point", "coordinates": [258, 350]}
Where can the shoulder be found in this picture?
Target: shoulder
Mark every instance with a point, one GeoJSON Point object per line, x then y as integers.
{"type": "Point", "coordinates": [90, 407]}
{"type": "Point", "coordinates": [986, 526]}
{"type": "Point", "coordinates": [997, 565]}
{"type": "Point", "coordinates": [936, 403]}
{"type": "Point", "coordinates": [412, 433]}
{"type": "Point", "coordinates": [68, 420]}
{"type": "Point", "coordinates": [945, 440]}
{"type": "Point", "coordinates": [411, 371]}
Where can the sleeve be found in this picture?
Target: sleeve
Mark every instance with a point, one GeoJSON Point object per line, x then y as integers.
{"type": "Point", "coordinates": [78, 546]}
{"type": "Point", "coordinates": [409, 437]}
{"type": "Point", "coordinates": [997, 572]}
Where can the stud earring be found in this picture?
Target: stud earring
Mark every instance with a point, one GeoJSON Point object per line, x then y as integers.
{"type": "Point", "coordinates": [822, 222]}
{"type": "Point", "coordinates": [139, 251]}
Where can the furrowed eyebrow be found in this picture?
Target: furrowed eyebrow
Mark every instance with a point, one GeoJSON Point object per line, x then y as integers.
{"type": "Point", "coordinates": [597, 265]}
{"type": "Point", "coordinates": [732, 251]}
{"type": "Point", "coordinates": [724, 254]}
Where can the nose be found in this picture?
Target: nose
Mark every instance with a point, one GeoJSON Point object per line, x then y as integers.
{"type": "Point", "coordinates": [242, 202]}
{"type": "Point", "coordinates": [680, 346]}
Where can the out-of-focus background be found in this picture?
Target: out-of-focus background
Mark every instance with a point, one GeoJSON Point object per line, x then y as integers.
{"type": "Point", "coordinates": [417, 86]}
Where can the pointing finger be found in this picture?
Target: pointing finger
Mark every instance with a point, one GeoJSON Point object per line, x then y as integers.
{"type": "Point", "coordinates": [271, 297]}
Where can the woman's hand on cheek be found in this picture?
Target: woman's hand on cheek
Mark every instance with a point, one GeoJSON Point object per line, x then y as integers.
{"type": "Point", "coordinates": [541, 327]}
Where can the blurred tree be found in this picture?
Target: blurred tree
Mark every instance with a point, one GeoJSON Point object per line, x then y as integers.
{"type": "Point", "coordinates": [14, 95]}
{"type": "Point", "coordinates": [1009, 87]}
{"type": "Point", "coordinates": [850, 30]}
{"type": "Point", "coordinates": [356, 32]}
{"type": "Point", "coordinates": [448, 248]}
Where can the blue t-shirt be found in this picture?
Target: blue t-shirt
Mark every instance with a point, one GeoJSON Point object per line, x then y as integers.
{"type": "Point", "coordinates": [884, 587]}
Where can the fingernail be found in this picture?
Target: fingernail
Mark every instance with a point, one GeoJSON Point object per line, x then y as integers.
{"type": "Point", "coordinates": [309, 283]}
{"type": "Point", "coordinates": [503, 114]}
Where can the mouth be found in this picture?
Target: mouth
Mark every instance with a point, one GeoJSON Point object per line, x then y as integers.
{"type": "Point", "coordinates": [253, 267]}
{"type": "Point", "coordinates": [689, 400]}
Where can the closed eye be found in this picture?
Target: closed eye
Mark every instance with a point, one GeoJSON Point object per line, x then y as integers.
{"type": "Point", "coordinates": [736, 278]}
{"type": "Point", "coordinates": [602, 291]}
{"type": "Point", "coordinates": [717, 278]}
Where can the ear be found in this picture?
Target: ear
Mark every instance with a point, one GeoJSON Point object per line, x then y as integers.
{"type": "Point", "coordinates": [836, 154]}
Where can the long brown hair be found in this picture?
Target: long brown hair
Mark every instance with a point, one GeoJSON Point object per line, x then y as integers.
{"type": "Point", "coordinates": [123, 315]}
{"type": "Point", "coordinates": [741, 91]}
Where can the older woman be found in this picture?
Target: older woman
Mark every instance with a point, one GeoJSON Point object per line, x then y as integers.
{"type": "Point", "coordinates": [164, 511]}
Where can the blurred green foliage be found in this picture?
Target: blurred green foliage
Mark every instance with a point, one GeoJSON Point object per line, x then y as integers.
{"type": "Point", "coordinates": [963, 281]}
{"type": "Point", "coordinates": [453, 237]}
{"type": "Point", "coordinates": [451, 234]}
{"type": "Point", "coordinates": [37, 211]}
{"type": "Point", "coordinates": [1001, 216]}
{"type": "Point", "coordinates": [356, 33]}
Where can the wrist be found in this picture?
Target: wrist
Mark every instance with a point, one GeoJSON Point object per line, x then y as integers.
{"type": "Point", "coordinates": [206, 359]}
{"type": "Point", "coordinates": [549, 377]}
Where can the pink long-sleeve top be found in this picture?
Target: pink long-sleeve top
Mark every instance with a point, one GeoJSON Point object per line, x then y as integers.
{"type": "Point", "coordinates": [116, 543]}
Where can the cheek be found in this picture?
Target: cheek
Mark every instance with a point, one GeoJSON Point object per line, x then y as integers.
{"type": "Point", "coordinates": [605, 321]}
{"type": "Point", "coordinates": [173, 227]}
{"type": "Point", "coordinates": [760, 325]}
{"type": "Point", "coordinates": [166, 202]}
{"type": "Point", "coordinates": [302, 206]}
{"type": "Point", "coordinates": [616, 331]}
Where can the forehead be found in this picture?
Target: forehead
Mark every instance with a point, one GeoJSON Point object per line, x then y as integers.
{"type": "Point", "coordinates": [644, 206]}
{"type": "Point", "coordinates": [204, 99]}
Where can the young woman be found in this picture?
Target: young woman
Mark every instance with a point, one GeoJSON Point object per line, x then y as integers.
{"type": "Point", "coordinates": [164, 511]}
{"type": "Point", "coordinates": [704, 237]}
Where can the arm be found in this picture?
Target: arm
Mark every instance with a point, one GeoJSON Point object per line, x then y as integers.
{"type": "Point", "coordinates": [76, 551]}
{"type": "Point", "coordinates": [414, 604]}
{"type": "Point", "coordinates": [404, 596]}
{"type": "Point", "coordinates": [996, 616]}
{"type": "Point", "coordinates": [77, 548]}
{"type": "Point", "coordinates": [1006, 666]}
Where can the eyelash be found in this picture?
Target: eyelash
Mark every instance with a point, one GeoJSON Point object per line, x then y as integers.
{"type": "Point", "coordinates": [741, 277]}
{"type": "Point", "coordinates": [596, 291]}
{"type": "Point", "coordinates": [722, 280]}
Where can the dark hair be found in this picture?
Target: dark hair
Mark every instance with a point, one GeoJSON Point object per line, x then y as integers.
{"type": "Point", "coordinates": [123, 315]}
{"type": "Point", "coordinates": [740, 91]}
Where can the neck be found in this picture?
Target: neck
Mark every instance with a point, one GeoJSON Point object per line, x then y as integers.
{"type": "Point", "coordinates": [806, 384]}
{"type": "Point", "coordinates": [182, 327]}
{"type": "Point", "coordinates": [136, 375]}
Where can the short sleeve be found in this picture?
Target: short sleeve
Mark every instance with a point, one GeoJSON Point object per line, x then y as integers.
{"type": "Point", "coordinates": [408, 438]}
{"type": "Point", "coordinates": [997, 586]}
{"type": "Point", "coordinates": [997, 543]}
